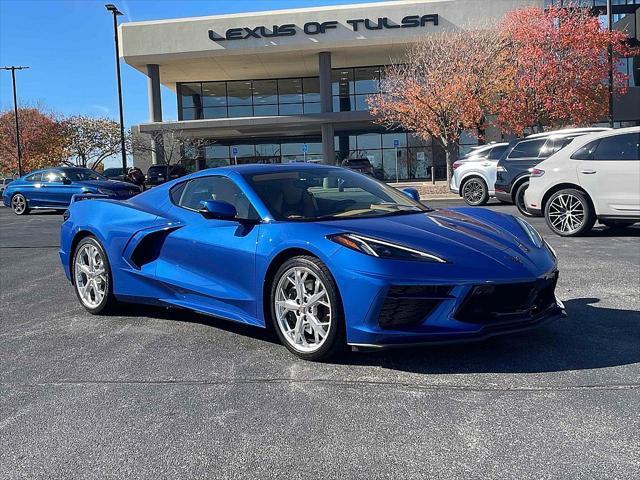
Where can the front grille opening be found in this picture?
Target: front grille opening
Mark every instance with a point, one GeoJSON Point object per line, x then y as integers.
{"type": "Point", "coordinates": [409, 305]}
{"type": "Point", "coordinates": [502, 303]}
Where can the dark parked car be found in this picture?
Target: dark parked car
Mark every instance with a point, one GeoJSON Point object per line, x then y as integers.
{"type": "Point", "coordinates": [512, 177]}
{"type": "Point", "coordinates": [3, 184]}
{"type": "Point", "coordinates": [114, 174]}
{"type": "Point", "coordinates": [158, 174]}
{"type": "Point", "coordinates": [362, 165]}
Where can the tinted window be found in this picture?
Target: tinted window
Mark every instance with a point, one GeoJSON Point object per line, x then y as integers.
{"type": "Point", "coordinates": [527, 149]}
{"type": "Point", "coordinates": [51, 176]}
{"type": "Point", "coordinates": [36, 177]}
{"type": "Point", "coordinates": [221, 189]}
{"type": "Point", "coordinates": [176, 192]}
{"type": "Point", "coordinates": [496, 152]}
{"type": "Point", "coordinates": [82, 174]}
{"type": "Point", "coordinates": [619, 147]}
{"type": "Point", "coordinates": [586, 152]}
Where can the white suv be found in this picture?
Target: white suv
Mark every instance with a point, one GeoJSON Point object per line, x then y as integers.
{"type": "Point", "coordinates": [474, 175]}
{"type": "Point", "coordinates": [595, 177]}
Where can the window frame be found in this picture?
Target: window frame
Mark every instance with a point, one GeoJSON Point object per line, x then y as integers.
{"type": "Point", "coordinates": [186, 183]}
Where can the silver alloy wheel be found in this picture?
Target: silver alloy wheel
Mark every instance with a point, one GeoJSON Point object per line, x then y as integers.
{"type": "Point", "coordinates": [473, 191]}
{"type": "Point", "coordinates": [566, 213]}
{"type": "Point", "coordinates": [90, 275]}
{"type": "Point", "coordinates": [303, 309]}
{"type": "Point", "coordinates": [18, 203]}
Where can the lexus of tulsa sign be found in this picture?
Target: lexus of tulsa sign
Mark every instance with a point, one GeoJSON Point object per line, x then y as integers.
{"type": "Point", "coordinates": [315, 28]}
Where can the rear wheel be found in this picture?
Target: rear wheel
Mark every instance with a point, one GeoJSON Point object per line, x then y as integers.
{"type": "Point", "coordinates": [92, 276]}
{"type": "Point", "coordinates": [475, 192]}
{"type": "Point", "coordinates": [519, 199]}
{"type": "Point", "coordinates": [19, 204]}
{"type": "Point", "coordinates": [306, 310]}
{"type": "Point", "coordinates": [568, 213]}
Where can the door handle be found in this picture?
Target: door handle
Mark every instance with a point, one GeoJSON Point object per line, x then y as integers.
{"type": "Point", "coordinates": [588, 172]}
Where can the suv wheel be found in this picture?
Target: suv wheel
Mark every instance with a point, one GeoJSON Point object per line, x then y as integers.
{"type": "Point", "coordinates": [519, 200]}
{"type": "Point", "coordinates": [475, 192]}
{"type": "Point", "coordinates": [568, 213]}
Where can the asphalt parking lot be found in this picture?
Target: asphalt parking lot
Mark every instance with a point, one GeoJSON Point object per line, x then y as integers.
{"type": "Point", "coordinates": [153, 393]}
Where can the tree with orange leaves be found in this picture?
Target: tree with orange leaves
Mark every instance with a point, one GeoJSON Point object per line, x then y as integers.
{"type": "Point", "coordinates": [559, 70]}
{"type": "Point", "coordinates": [445, 85]}
{"type": "Point", "coordinates": [41, 138]}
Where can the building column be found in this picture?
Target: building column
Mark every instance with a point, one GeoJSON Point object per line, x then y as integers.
{"type": "Point", "coordinates": [326, 106]}
{"type": "Point", "coordinates": [155, 111]}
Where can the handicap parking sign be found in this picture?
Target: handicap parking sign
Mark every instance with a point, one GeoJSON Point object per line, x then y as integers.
{"type": "Point", "coordinates": [396, 142]}
{"type": "Point", "coordinates": [234, 151]}
{"type": "Point", "coordinates": [305, 148]}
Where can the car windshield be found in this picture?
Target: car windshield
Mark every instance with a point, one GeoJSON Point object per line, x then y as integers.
{"type": "Point", "coordinates": [82, 174]}
{"type": "Point", "coordinates": [329, 193]}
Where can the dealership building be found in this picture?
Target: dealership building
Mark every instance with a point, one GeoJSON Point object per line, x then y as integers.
{"type": "Point", "coordinates": [292, 85]}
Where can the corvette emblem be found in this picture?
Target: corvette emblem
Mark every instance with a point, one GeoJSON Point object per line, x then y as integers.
{"type": "Point", "coordinates": [516, 259]}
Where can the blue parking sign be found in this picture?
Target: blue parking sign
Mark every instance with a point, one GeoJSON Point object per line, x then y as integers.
{"type": "Point", "coordinates": [305, 148]}
{"type": "Point", "coordinates": [234, 151]}
{"type": "Point", "coordinates": [396, 143]}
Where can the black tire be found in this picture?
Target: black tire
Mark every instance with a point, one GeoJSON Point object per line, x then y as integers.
{"type": "Point", "coordinates": [475, 192]}
{"type": "Point", "coordinates": [334, 342]}
{"type": "Point", "coordinates": [519, 200]}
{"type": "Point", "coordinates": [108, 302]}
{"type": "Point", "coordinates": [19, 204]}
{"type": "Point", "coordinates": [555, 213]}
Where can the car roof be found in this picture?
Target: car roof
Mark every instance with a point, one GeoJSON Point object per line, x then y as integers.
{"type": "Point", "coordinates": [566, 131]}
{"type": "Point", "coordinates": [255, 168]}
{"type": "Point", "coordinates": [584, 139]}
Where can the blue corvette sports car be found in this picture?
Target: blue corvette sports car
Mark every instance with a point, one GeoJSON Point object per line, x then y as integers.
{"type": "Point", "coordinates": [326, 256]}
{"type": "Point", "coordinates": [54, 187]}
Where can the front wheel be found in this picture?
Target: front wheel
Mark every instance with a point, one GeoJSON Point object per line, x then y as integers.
{"type": "Point", "coordinates": [519, 200]}
{"type": "Point", "coordinates": [19, 204]}
{"type": "Point", "coordinates": [92, 276]}
{"type": "Point", "coordinates": [568, 213]}
{"type": "Point", "coordinates": [306, 310]}
{"type": "Point", "coordinates": [475, 192]}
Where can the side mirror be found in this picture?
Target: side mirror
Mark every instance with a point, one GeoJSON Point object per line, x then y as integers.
{"type": "Point", "coordinates": [412, 193]}
{"type": "Point", "coordinates": [218, 210]}
{"type": "Point", "coordinates": [66, 181]}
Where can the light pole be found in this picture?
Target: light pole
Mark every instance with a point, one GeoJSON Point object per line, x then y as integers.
{"type": "Point", "coordinates": [15, 109]}
{"type": "Point", "coordinates": [610, 59]}
{"type": "Point", "coordinates": [114, 10]}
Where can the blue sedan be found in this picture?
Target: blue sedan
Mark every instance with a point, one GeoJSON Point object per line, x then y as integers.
{"type": "Point", "coordinates": [325, 256]}
{"type": "Point", "coordinates": [53, 188]}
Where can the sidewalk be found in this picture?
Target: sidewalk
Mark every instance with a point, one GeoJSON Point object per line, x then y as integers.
{"type": "Point", "coordinates": [429, 191]}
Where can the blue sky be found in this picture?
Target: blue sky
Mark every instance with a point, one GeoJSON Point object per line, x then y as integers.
{"type": "Point", "coordinates": [69, 46]}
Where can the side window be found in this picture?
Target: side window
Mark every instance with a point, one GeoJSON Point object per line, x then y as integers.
{"type": "Point", "coordinates": [216, 188]}
{"type": "Point", "coordinates": [586, 152]}
{"type": "Point", "coordinates": [176, 192]}
{"type": "Point", "coordinates": [51, 176]}
{"type": "Point", "coordinates": [618, 147]}
{"type": "Point", "coordinates": [496, 152]}
{"type": "Point", "coordinates": [527, 149]}
{"type": "Point", "coordinates": [36, 177]}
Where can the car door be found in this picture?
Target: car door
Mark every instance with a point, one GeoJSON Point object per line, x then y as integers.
{"type": "Point", "coordinates": [32, 189]}
{"type": "Point", "coordinates": [610, 173]}
{"type": "Point", "coordinates": [57, 193]}
{"type": "Point", "coordinates": [210, 263]}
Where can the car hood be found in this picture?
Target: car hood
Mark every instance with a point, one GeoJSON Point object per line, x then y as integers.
{"type": "Point", "coordinates": [114, 185]}
{"type": "Point", "coordinates": [477, 239]}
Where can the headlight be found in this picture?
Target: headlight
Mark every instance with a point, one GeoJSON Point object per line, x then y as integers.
{"type": "Point", "coordinates": [382, 249]}
{"type": "Point", "coordinates": [531, 232]}
{"type": "Point", "coordinates": [106, 191]}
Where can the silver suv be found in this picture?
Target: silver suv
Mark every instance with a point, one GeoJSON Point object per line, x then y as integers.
{"type": "Point", "coordinates": [474, 175]}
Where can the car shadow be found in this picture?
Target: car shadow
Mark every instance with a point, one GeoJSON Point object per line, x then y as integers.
{"type": "Point", "coordinates": [189, 316]}
{"type": "Point", "coordinates": [590, 337]}
{"type": "Point", "coordinates": [602, 231]}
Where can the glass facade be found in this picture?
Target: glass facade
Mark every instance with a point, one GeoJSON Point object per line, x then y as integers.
{"type": "Point", "coordinates": [272, 97]}
{"type": "Point", "coordinates": [412, 159]}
